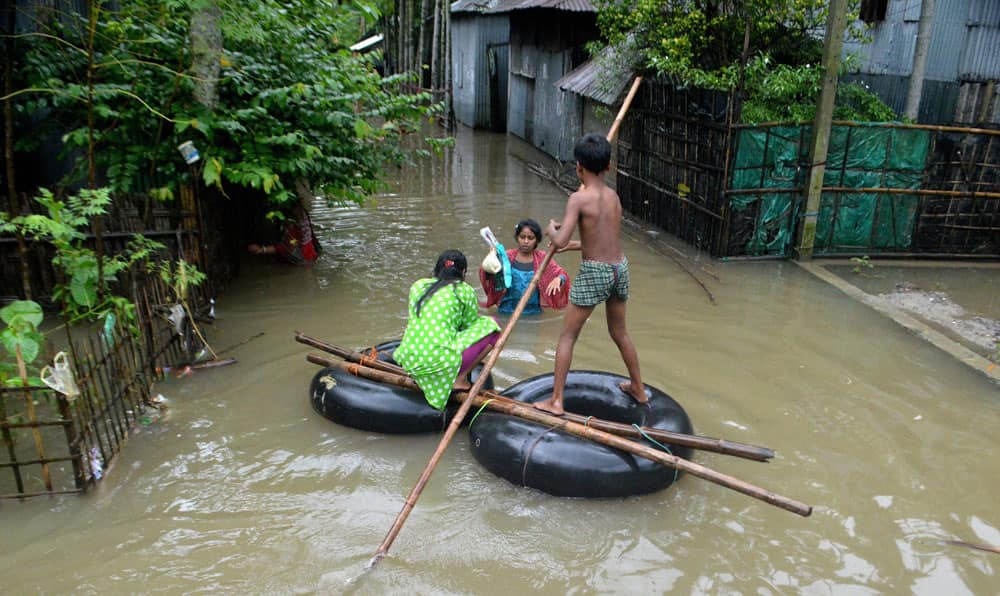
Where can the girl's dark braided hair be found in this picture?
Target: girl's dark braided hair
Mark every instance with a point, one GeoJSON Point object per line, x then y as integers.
{"type": "Point", "coordinates": [449, 269]}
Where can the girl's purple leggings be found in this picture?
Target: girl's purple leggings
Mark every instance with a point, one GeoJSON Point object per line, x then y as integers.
{"type": "Point", "coordinates": [475, 350]}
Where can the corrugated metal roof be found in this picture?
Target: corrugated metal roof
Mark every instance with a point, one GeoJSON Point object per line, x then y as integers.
{"type": "Point", "coordinates": [567, 5]}
{"type": "Point", "coordinates": [603, 78]}
{"type": "Point", "coordinates": [499, 6]}
{"type": "Point", "coordinates": [473, 5]}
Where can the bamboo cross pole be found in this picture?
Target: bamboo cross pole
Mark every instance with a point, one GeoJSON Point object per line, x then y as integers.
{"type": "Point", "coordinates": [714, 445]}
{"type": "Point", "coordinates": [527, 412]}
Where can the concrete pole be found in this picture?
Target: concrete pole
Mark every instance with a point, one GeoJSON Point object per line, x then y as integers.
{"type": "Point", "coordinates": [833, 44]}
{"type": "Point", "coordinates": [919, 60]}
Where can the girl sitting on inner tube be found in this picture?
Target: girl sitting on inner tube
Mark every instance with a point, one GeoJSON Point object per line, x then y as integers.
{"type": "Point", "coordinates": [553, 286]}
{"type": "Point", "coordinates": [445, 336]}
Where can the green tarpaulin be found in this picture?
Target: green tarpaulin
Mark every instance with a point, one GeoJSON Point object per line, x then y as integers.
{"type": "Point", "coordinates": [775, 157]}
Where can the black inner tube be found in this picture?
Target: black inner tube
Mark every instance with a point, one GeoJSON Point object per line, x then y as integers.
{"type": "Point", "coordinates": [529, 454]}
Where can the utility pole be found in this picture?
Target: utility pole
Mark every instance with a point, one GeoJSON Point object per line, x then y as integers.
{"type": "Point", "coordinates": [919, 60]}
{"type": "Point", "coordinates": [833, 44]}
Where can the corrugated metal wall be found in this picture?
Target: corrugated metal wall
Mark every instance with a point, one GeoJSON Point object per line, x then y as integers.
{"type": "Point", "coordinates": [472, 37]}
{"type": "Point", "coordinates": [964, 53]}
{"type": "Point", "coordinates": [937, 104]}
{"type": "Point", "coordinates": [463, 73]}
{"type": "Point", "coordinates": [982, 65]}
{"type": "Point", "coordinates": [520, 112]}
{"type": "Point", "coordinates": [949, 34]}
{"type": "Point", "coordinates": [544, 44]}
{"type": "Point", "coordinates": [889, 53]}
{"type": "Point", "coordinates": [556, 112]}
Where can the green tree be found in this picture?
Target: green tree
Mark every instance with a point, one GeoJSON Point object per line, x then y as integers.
{"type": "Point", "coordinates": [295, 108]}
{"type": "Point", "coordinates": [61, 226]}
{"type": "Point", "coordinates": [19, 336]}
{"type": "Point", "coordinates": [769, 50]}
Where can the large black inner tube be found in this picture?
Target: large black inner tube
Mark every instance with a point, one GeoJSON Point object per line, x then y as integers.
{"type": "Point", "coordinates": [369, 405]}
{"type": "Point", "coordinates": [561, 464]}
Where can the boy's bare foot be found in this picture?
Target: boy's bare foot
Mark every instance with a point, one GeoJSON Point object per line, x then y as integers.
{"type": "Point", "coordinates": [641, 396]}
{"type": "Point", "coordinates": [461, 385]}
{"type": "Point", "coordinates": [550, 406]}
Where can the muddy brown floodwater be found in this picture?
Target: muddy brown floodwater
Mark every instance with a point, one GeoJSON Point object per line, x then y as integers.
{"type": "Point", "coordinates": [244, 489]}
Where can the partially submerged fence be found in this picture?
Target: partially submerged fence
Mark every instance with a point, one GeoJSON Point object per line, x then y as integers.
{"type": "Point", "coordinates": [738, 190]}
{"type": "Point", "coordinates": [56, 443]}
{"type": "Point", "coordinates": [176, 224]}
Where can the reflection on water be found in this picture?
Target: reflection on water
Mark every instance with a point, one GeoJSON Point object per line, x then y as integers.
{"type": "Point", "coordinates": [246, 489]}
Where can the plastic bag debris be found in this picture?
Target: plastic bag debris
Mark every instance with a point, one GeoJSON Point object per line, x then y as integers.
{"type": "Point", "coordinates": [59, 376]}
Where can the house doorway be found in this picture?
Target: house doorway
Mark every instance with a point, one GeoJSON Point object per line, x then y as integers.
{"type": "Point", "coordinates": [497, 60]}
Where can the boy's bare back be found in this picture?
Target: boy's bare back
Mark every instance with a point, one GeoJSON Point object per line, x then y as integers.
{"type": "Point", "coordinates": [600, 219]}
{"type": "Point", "coordinates": [597, 210]}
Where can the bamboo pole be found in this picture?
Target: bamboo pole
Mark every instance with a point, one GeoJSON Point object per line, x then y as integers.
{"type": "Point", "coordinates": [723, 446]}
{"type": "Point", "coordinates": [805, 233]}
{"type": "Point", "coordinates": [924, 192]}
{"type": "Point", "coordinates": [613, 132]}
{"type": "Point", "coordinates": [930, 127]}
{"type": "Point", "coordinates": [916, 84]}
{"type": "Point", "coordinates": [29, 402]}
{"type": "Point", "coordinates": [10, 10]}
{"type": "Point", "coordinates": [983, 547]}
{"type": "Point", "coordinates": [528, 412]}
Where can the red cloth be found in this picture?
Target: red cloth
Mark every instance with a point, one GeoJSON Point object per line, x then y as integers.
{"type": "Point", "coordinates": [298, 245]}
{"type": "Point", "coordinates": [558, 300]}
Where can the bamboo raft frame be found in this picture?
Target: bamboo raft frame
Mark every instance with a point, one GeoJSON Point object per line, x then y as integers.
{"type": "Point", "coordinates": [526, 411]}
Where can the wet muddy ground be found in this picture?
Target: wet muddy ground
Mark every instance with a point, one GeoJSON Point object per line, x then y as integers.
{"type": "Point", "coordinates": [961, 300]}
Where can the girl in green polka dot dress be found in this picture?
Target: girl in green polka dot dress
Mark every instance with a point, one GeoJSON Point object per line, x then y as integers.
{"type": "Point", "coordinates": [445, 337]}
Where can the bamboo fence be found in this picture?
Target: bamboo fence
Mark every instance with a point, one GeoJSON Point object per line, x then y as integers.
{"type": "Point", "coordinates": [54, 444]}
{"type": "Point", "coordinates": [680, 152]}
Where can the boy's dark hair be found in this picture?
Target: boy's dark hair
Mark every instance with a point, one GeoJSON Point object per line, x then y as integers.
{"type": "Point", "coordinates": [593, 153]}
{"type": "Point", "coordinates": [449, 269]}
{"type": "Point", "coordinates": [531, 225]}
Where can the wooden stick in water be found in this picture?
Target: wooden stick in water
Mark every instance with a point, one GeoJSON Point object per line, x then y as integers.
{"type": "Point", "coordinates": [983, 547]}
{"type": "Point", "coordinates": [714, 445]}
{"type": "Point", "coordinates": [527, 412]}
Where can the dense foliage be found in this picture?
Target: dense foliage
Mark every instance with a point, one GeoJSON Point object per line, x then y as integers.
{"type": "Point", "coordinates": [295, 106]}
{"type": "Point", "coordinates": [769, 49]}
{"type": "Point", "coordinates": [84, 294]}
{"type": "Point", "coordinates": [784, 93]}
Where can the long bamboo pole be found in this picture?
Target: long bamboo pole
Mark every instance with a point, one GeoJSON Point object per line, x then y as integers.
{"type": "Point", "coordinates": [456, 421]}
{"type": "Point", "coordinates": [714, 445]}
{"type": "Point", "coordinates": [527, 412]}
{"type": "Point", "coordinates": [613, 132]}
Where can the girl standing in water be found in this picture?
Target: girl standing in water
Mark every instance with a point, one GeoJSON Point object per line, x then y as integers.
{"type": "Point", "coordinates": [445, 336]}
{"type": "Point", "coordinates": [553, 286]}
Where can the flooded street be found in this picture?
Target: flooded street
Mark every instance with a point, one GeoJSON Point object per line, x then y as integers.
{"type": "Point", "coordinates": [244, 489]}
